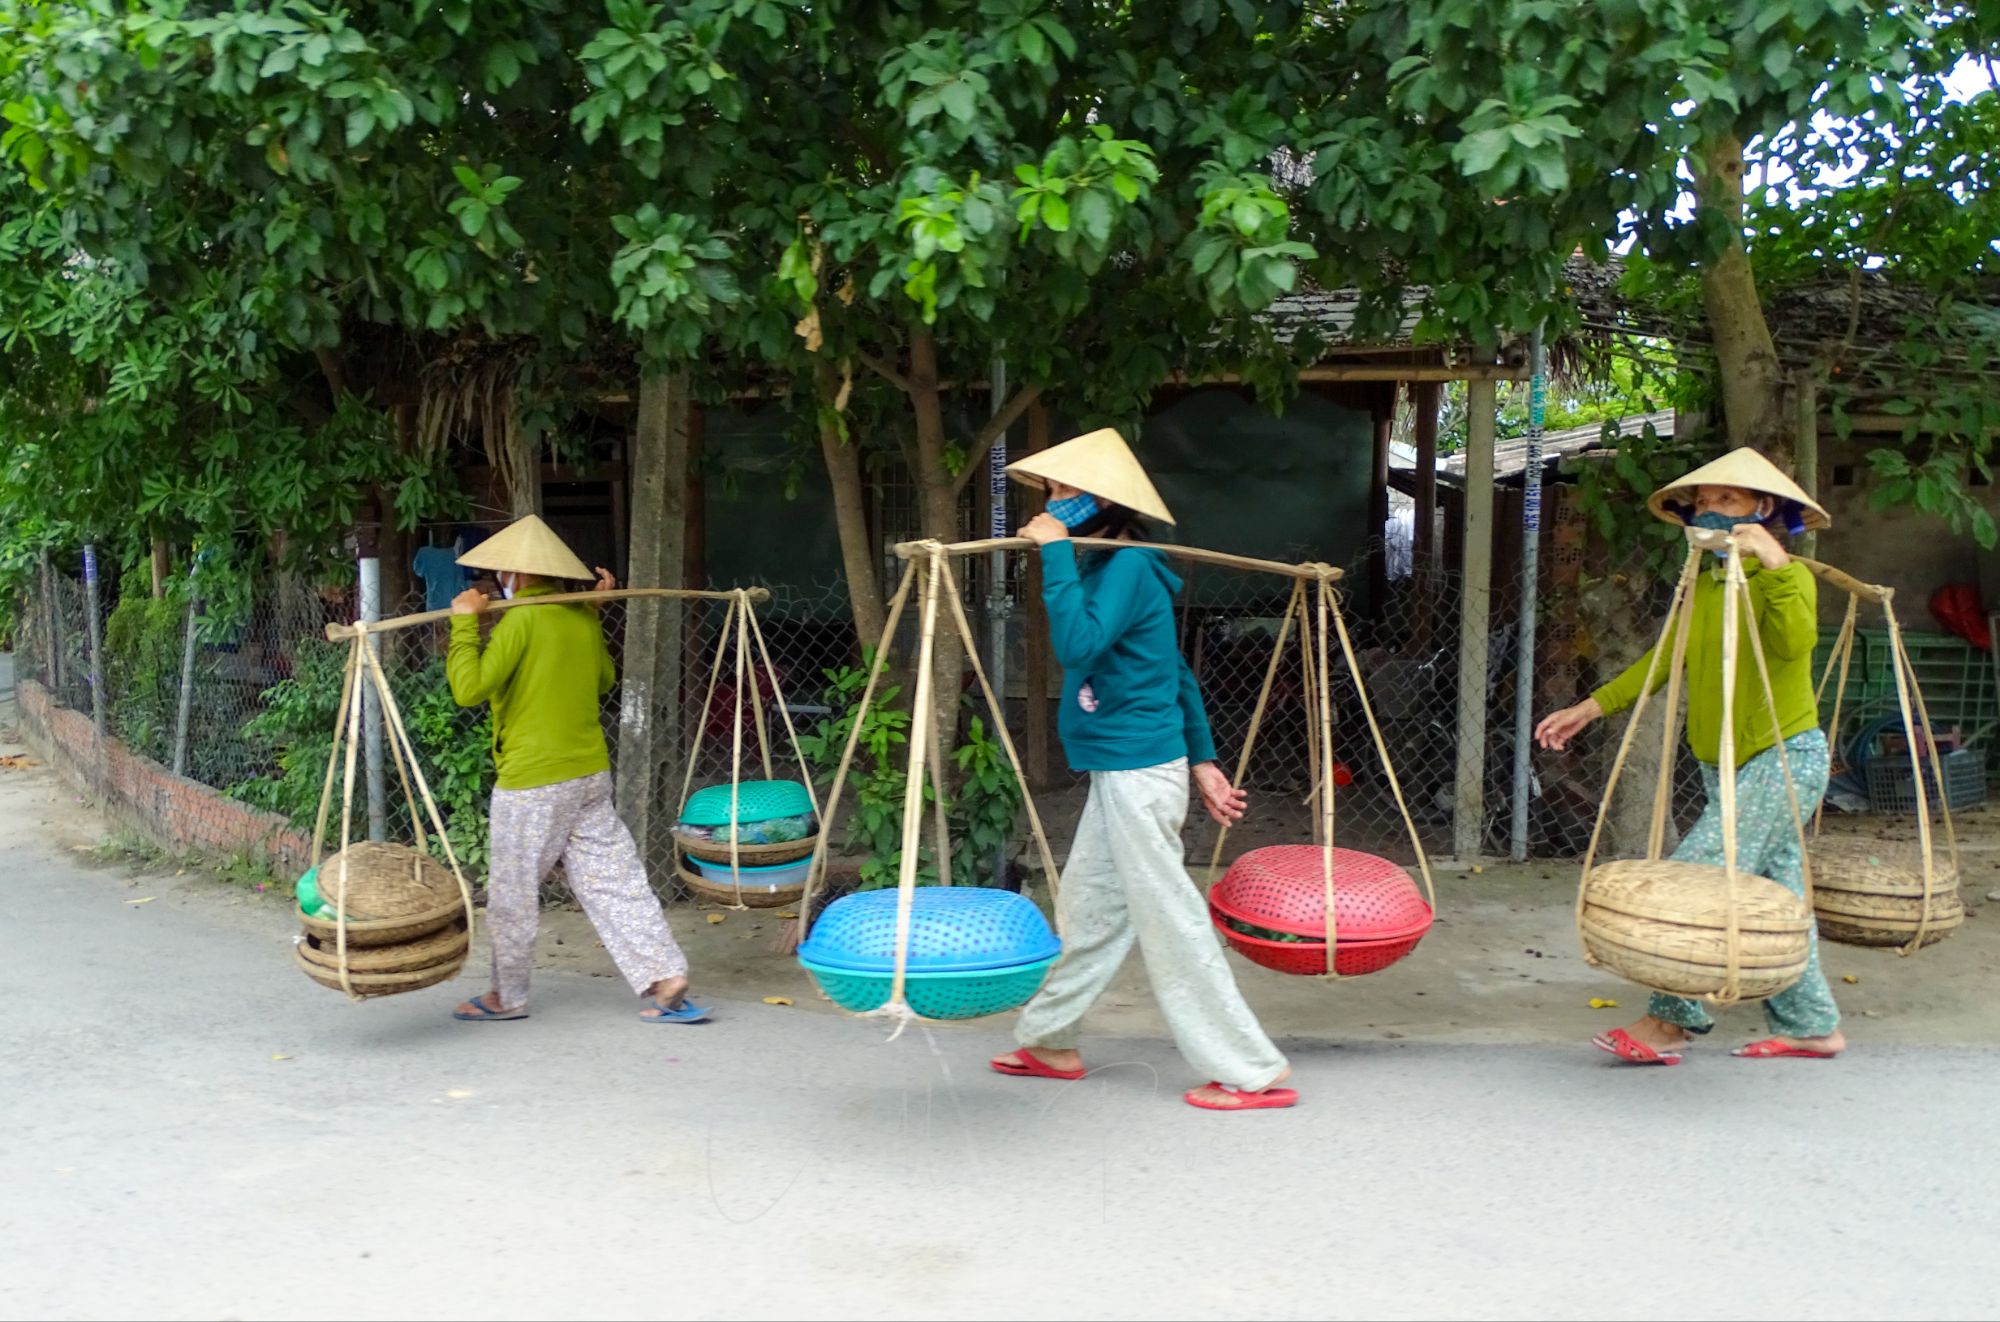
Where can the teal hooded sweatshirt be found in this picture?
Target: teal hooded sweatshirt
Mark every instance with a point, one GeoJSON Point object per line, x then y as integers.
{"type": "Point", "coordinates": [1129, 700]}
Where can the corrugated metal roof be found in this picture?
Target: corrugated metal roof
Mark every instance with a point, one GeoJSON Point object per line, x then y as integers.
{"type": "Point", "coordinates": [1510, 454]}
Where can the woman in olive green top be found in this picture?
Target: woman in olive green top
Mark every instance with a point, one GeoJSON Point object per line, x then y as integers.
{"type": "Point", "coordinates": [1743, 493]}
{"type": "Point", "coordinates": [545, 669]}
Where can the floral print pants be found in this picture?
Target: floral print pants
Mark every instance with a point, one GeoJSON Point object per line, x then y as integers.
{"type": "Point", "coordinates": [574, 821]}
{"type": "Point", "coordinates": [1767, 845]}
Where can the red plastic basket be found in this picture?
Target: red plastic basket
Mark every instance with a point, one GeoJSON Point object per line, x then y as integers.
{"type": "Point", "coordinates": [1382, 913]}
{"type": "Point", "coordinates": [1308, 958]}
{"type": "Point", "coordinates": [1282, 887]}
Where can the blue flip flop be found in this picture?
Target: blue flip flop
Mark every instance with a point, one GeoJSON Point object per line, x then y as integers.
{"type": "Point", "coordinates": [688, 1013]}
{"type": "Point", "coordinates": [485, 1015]}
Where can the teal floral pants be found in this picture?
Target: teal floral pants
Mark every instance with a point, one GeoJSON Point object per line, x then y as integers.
{"type": "Point", "coordinates": [1767, 844]}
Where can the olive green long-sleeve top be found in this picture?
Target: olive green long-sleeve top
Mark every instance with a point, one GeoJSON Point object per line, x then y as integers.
{"type": "Point", "coordinates": [545, 671]}
{"type": "Point", "coordinates": [1786, 603]}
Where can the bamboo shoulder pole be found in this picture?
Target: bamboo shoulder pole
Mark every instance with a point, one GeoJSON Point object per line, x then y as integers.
{"type": "Point", "coordinates": [1311, 572]}
{"type": "Point", "coordinates": [338, 632]}
{"type": "Point", "coordinates": [1846, 582]}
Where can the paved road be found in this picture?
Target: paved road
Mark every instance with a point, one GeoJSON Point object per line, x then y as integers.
{"type": "Point", "coordinates": [158, 1160]}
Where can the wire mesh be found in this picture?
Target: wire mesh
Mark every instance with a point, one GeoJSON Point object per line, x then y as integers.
{"type": "Point", "coordinates": [262, 691]}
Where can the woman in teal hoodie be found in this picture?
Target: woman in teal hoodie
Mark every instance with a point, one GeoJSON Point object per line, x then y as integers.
{"type": "Point", "coordinates": [1132, 718]}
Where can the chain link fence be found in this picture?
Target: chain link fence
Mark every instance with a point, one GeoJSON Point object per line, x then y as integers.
{"type": "Point", "coordinates": [246, 707]}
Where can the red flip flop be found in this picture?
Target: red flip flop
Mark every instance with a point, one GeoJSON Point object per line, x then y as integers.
{"type": "Point", "coordinates": [1032, 1067]}
{"type": "Point", "coordinates": [1270, 1099]}
{"type": "Point", "coordinates": [1772, 1049]}
{"type": "Point", "coordinates": [1632, 1051]}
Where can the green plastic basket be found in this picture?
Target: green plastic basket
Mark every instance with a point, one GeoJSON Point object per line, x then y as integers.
{"type": "Point", "coordinates": [757, 801]}
{"type": "Point", "coordinates": [936, 995]}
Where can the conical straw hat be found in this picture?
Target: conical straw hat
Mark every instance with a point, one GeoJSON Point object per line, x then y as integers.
{"type": "Point", "coordinates": [1099, 463]}
{"type": "Point", "coordinates": [1744, 468]}
{"type": "Point", "coordinates": [526, 546]}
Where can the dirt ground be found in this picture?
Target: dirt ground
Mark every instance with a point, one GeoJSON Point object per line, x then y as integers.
{"type": "Point", "coordinates": [1501, 965]}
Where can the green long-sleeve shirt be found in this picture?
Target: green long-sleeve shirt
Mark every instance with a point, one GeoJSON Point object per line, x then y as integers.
{"type": "Point", "coordinates": [544, 671]}
{"type": "Point", "coordinates": [1786, 602]}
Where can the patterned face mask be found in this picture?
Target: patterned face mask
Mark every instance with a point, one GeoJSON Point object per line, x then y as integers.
{"type": "Point", "coordinates": [1074, 511]}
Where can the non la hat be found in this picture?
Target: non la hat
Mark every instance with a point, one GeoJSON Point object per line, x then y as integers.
{"type": "Point", "coordinates": [526, 546]}
{"type": "Point", "coordinates": [1751, 471]}
{"type": "Point", "coordinates": [1100, 463]}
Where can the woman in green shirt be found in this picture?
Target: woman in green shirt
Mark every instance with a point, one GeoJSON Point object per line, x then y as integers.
{"type": "Point", "coordinates": [545, 669]}
{"type": "Point", "coordinates": [1744, 493]}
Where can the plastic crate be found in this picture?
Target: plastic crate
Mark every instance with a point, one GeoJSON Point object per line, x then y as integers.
{"type": "Point", "coordinates": [1957, 680]}
{"type": "Point", "coordinates": [1891, 788]}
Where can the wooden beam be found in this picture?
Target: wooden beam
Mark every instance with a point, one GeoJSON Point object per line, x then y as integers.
{"type": "Point", "coordinates": [1474, 623]}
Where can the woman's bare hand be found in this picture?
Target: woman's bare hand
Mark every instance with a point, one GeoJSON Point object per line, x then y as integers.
{"type": "Point", "coordinates": [1555, 732]}
{"type": "Point", "coordinates": [1045, 528]}
{"type": "Point", "coordinates": [1225, 803]}
{"type": "Point", "coordinates": [1756, 539]}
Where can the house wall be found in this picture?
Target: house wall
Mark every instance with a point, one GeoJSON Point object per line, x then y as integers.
{"type": "Point", "coordinates": [1903, 548]}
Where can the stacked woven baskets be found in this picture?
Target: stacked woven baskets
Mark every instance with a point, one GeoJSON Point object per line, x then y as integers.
{"type": "Point", "coordinates": [405, 919]}
{"type": "Point", "coordinates": [1271, 906]}
{"type": "Point", "coordinates": [749, 844]}
{"type": "Point", "coordinates": [973, 951]}
{"type": "Point", "coordinates": [1869, 893]}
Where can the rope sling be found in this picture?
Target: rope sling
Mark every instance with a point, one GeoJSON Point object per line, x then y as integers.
{"type": "Point", "coordinates": [1672, 924]}
{"type": "Point", "coordinates": [1877, 909]}
{"type": "Point", "coordinates": [364, 674]}
{"type": "Point", "coordinates": [928, 573]}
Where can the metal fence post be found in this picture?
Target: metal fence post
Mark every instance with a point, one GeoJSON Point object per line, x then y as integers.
{"type": "Point", "coordinates": [186, 708]}
{"type": "Point", "coordinates": [1531, 581]}
{"type": "Point", "coordinates": [371, 711]}
{"type": "Point", "coordinates": [996, 600]}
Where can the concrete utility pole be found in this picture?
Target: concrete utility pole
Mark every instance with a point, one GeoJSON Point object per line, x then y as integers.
{"type": "Point", "coordinates": [1474, 623]}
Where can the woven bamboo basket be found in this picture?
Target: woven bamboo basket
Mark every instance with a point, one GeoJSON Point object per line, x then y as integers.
{"type": "Point", "coordinates": [385, 881]}
{"type": "Point", "coordinates": [721, 892]}
{"type": "Point", "coordinates": [1664, 925]}
{"type": "Point", "coordinates": [387, 931]}
{"type": "Point", "coordinates": [380, 984]}
{"type": "Point", "coordinates": [425, 952]}
{"type": "Point", "coordinates": [749, 856]}
{"type": "Point", "coordinates": [1867, 893]}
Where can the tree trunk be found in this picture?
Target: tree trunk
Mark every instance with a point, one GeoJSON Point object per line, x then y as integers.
{"type": "Point", "coordinates": [161, 567]}
{"type": "Point", "coordinates": [1752, 381]}
{"type": "Point", "coordinates": [937, 490]}
{"type": "Point", "coordinates": [650, 715]}
{"type": "Point", "coordinates": [850, 509]}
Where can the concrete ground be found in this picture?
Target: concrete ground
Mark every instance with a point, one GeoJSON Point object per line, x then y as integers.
{"type": "Point", "coordinates": [190, 1129]}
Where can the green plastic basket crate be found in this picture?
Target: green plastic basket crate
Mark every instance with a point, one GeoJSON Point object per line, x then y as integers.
{"type": "Point", "coordinates": [936, 995]}
{"type": "Point", "coordinates": [1957, 681]}
{"type": "Point", "coordinates": [756, 801]}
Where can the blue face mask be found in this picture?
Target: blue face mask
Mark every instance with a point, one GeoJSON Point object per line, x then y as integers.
{"type": "Point", "coordinates": [1074, 511]}
{"type": "Point", "coordinates": [1717, 522]}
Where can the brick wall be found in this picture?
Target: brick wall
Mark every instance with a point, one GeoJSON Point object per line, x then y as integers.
{"type": "Point", "coordinates": [172, 811]}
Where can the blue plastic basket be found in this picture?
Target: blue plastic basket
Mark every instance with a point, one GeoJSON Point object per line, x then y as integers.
{"type": "Point", "coordinates": [756, 801]}
{"type": "Point", "coordinates": [953, 929]}
{"type": "Point", "coordinates": [968, 994]}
